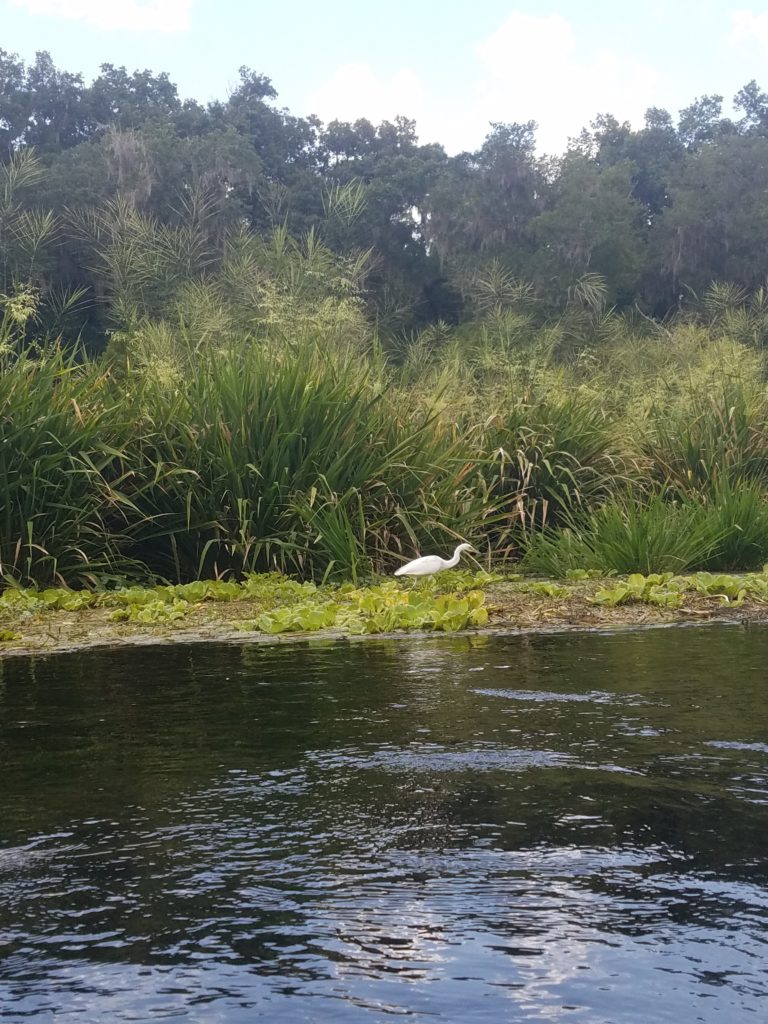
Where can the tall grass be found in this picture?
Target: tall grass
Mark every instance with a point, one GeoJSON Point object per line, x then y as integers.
{"type": "Point", "coordinates": [726, 530]}
{"type": "Point", "coordinates": [738, 513]}
{"type": "Point", "coordinates": [291, 458]}
{"type": "Point", "coordinates": [627, 536]}
{"type": "Point", "coordinates": [222, 453]}
{"type": "Point", "coordinates": [553, 454]}
{"type": "Point", "coordinates": [57, 432]}
{"type": "Point", "coordinates": [720, 436]}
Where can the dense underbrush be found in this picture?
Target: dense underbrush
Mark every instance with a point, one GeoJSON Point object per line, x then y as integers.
{"type": "Point", "coordinates": [329, 462]}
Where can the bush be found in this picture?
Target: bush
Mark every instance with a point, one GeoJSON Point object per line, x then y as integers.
{"type": "Point", "coordinates": [58, 428]}
{"type": "Point", "coordinates": [291, 459]}
{"type": "Point", "coordinates": [629, 537]}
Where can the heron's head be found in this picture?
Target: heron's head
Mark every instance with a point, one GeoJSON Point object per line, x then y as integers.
{"type": "Point", "coordinates": [466, 547]}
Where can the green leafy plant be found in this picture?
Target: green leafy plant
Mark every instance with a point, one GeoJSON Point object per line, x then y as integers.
{"type": "Point", "coordinates": [154, 612]}
{"type": "Point", "coordinates": [730, 589]}
{"type": "Point", "coordinates": [656, 589]}
{"type": "Point", "coordinates": [298, 618]}
{"type": "Point", "coordinates": [544, 588]}
{"type": "Point", "coordinates": [381, 609]}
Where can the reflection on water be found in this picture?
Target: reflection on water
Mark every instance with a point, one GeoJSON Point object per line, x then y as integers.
{"type": "Point", "coordinates": [486, 829]}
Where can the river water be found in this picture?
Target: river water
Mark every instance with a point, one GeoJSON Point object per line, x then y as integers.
{"type": "Point", "coordinates": [555, 828]}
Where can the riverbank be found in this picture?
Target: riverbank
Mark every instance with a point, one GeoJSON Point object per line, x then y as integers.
{"type": "Point", "coordinates": [268, 609]}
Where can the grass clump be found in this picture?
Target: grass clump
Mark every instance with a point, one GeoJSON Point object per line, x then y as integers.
{"type": "Point", "coordinates": [61, 518]}
{"type": "Point", "coordinates": [728, 529]}
{"type": "Point", "coordinates": [627, 537]}
{"type": "Point", "coordinates": [293, 460]}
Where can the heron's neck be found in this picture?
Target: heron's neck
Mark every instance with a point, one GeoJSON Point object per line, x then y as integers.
{"type": "Point", "coordinates": [453, 561]}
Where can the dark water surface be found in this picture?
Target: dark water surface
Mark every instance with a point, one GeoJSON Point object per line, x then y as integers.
{"type": "Point", "coordinates": [563, 828]}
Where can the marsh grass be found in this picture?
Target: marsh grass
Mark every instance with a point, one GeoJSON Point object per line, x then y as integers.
{"type": "Point", "coordinates": [724, 530]}
{"type": "Point", "coordinates": [719, 436]}
{"type": "Point", "coordinates": [60, 520]}
{"type": "Point", "coordinates": [628, 536]}
{"type": "Point", "coordinates": [738, 513]}
{"type": "Point", "coordinates": [292, 459]}
{"type": "Point", "coordinates": [309, 455]}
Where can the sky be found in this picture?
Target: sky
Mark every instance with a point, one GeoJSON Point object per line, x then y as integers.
{"type": "Point", "coordinates": [452, 65]}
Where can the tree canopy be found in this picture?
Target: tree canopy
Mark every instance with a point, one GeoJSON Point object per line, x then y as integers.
{"type": "Point", "coordinates": [90, 169]}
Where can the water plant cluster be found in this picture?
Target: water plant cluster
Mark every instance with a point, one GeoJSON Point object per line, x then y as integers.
{"type": "Point", "coordinates": [284, 605]}
{"type": "Point", "coordinates": [668, 591]}
{"type": "Point", "coordinates": [272, 603]}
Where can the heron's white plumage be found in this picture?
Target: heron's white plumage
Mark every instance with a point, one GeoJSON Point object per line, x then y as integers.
{"type": "Point", "coordinates": [430, 564]}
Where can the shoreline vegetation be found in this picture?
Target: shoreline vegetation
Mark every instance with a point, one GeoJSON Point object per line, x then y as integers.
{"type": "Point", "coordinates": [270, 608]}
{"type": "Point", "coordinates": [235, 343]}
{"type": "Point", "coordinates": [328, 462]}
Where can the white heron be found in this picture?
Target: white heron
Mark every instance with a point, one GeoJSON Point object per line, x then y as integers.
{"type": "Point", "coordinates": [430, 564]}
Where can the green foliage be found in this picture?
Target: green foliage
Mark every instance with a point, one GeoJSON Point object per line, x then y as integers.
{"type": "Point", "coordinates": [329, 345]}
{"type": "Point", "coordinates": [26, 232]}
{"type": "Point", "coordinates": [272, 587]}
{"type": "Point", "coordinates": [285, 605]}
{"type": "Point", "coordinates": [629, 536]}
{"type": "Point", "coordinates": [381, 609]}
{"type": "Point", "coordinates": [731, 589]}
{"type": "Point", "coordinates": [727, 528]}
{"type": "Point", "coordinates": [143, 604]}
{"type": "Point", "coordinates": [716, 438]}
{"type": "Point", "coordinates": [667, 590]}
{"type": "Point", "coordinates": [385, 609]}
{"type": "Point", "coordinates": [288, 605]}
{"type": "Point", "coordinates": [152, 612]}
{"type": "Point", "coordinates": [145, 196]}
{"type": "Point", "coordinates": [297, 618]}
{"type": "Point", "coordinates": [60, 518]}
{"type": "Point", "coordinates": [292, 458]}
{"type": "Point", "coordinates": [739, 517]}
{"type": "Point", "coordinates": [656, 589]}
{"type": "Point", "coordinates": [459, 580]}
{"type": "Point", "coordinates": [551, 453]}
{"type": "Point", "coordinates": [205, 590]}
{"type": "Point", "coordinates": [17, 601]}
{"type": "Point", "coordinates": [321, 462]}
{"type": "Point", "coordinates": [544, 588]}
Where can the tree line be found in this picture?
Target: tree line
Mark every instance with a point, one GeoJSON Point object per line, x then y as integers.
{"type": "Point", "coordinates": [91, 170]}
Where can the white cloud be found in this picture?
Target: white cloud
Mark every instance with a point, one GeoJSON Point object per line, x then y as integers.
{"type": "Point", "coordinates": [748, 27]}
{"type": "Point", "coordinates": [530, 68]}
{"type": "Point", "coordinates": [534, 68]}
{"type": "Point", "coordinates": [355, 90]}
{"type": "Point", "coordinates": [130, 15]}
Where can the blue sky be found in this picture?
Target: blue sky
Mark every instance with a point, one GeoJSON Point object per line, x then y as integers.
{"type": "Point", "coordinates": [453, 65]}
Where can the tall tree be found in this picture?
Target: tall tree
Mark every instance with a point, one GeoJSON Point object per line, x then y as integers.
{"type": "Point", "coordinates": [484, 205]}
{"type": "Point", "coordinates": [595, 224]}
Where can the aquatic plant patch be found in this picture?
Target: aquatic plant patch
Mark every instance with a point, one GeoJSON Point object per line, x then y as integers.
{"type": "Point", "coordinates": [271, 604]}
{"type": "Point", "coordinates": [286, 605]}
{"type": "Point", "coordinates": [382, 609]}
{"type": "Point", "coordinates": [657, 588]}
